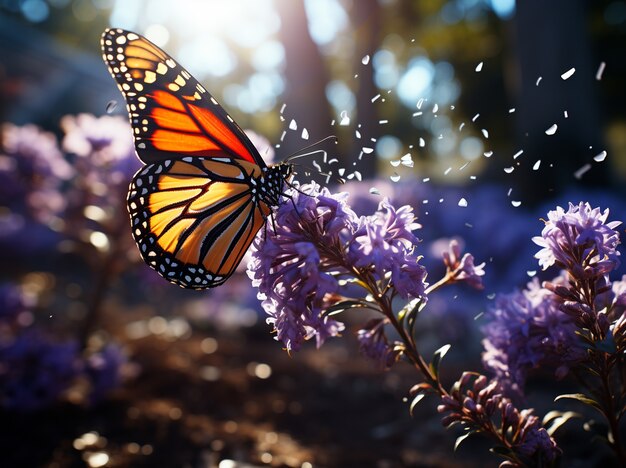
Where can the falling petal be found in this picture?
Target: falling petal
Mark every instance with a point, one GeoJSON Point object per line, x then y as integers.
{"type": "Point", "coordinates": [479, 67]}
{"type": "Point", "coordinates": [518, 154]}
{"type": "Point", "coordinates": [552, 130]}
{"type": "Point", "coordinates": [111, 106]}
{"type": "Point", "coordinates": [435, 108]}
{"type": "Point", "coordinates": [516, 203]}
{"type": "Point", "coordinates": [537, 164]}
{"type": "Point", "coordinates": [475, 117]}
{"type": "Point", "coordinates": [488, 154]}
{"type": "Point", "coordinates": [422, 143]}
{"type": "Point", "coordinates": [425, 179]}
{"type": "Point", "coordinates": [365, 60]}
{"type": "Point", "coordinates": [600, 71]}
{"type": "Point", "coordinates": [293, 125]}
{"type": "Point", "coordinates": [358, 134]}
{"type": "Point", "coordinates": [538, 81]}
{"type": "Point", "coordinates": [419, 103]}
{"type": "Point", "coordinates": [509, 169]}
{"type": "Point", "coordinates": [485, 133]}
{"type": "Point", "coordinates": [565, 114]}
{"type": "Point", "coordinates": [345, 120]}
{"type": "Point", "coordinates": [463, 202]}
{"type": "Point", "coordinates": [511, 110]}
{"type": "Point", "coordinates": [531, 273]}
{"type": "Point", "coordinates": [374, 191]}
{"type": "Point", "coordinates": [580, 172]}
{"type": "Point", "coordinates": [568, 73]}
{"type": "Point", "coordinates": [461, 126]}
{"type": "Point", "coordinates": [395, 177]}
{"type": "Point", "coordinates": [282, 108]}
{"type": "Point", "coordinates": [341, 171]}
{"type": "Point", "coordinates": [375, 97]}
{"type": "Point", "coordinates": [394, 163]}
{"type": "Point", "coordinates": [416, 114]}
{"type": "Point", "coordinates": [447, 171]}
{"type": "Point", "coordinates": [382, 122]}
{"type": "Point", "coordinates": [305, 134]}
{"type": "Point", "coordinates": [600, 157]}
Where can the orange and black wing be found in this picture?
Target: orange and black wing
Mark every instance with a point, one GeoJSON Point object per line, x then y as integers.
{"type": "Point", "coordinates": [194, 218]}
{"type": "Point", "coordinates": [172, 115]}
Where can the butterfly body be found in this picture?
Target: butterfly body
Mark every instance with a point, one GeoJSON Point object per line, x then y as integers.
{"type": "Point", "coordinates": [205, 191]}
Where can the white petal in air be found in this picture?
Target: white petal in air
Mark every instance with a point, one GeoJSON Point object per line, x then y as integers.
{"type": "Point", "coordinates": [580, 172]}
{"type": "Point", "coordinates": [365, 60]}
{"type": "Point", "coordinates": [600, 157]}
{"type": "Point", "coordinates": [552, 130]}
{"type": "Point", "coordinates": [479, 67]}
{"type": "Point", "coordinates": [568, 73]}
{"type": "Point", "coordinates": [293, 125]}
{"type": "Point", "coordinates": [345, 120]}
{"type": "Point", "coordinates": [305, 134]}
{"type": "Point", "coordinates": [600, 71]}
{"type": "Point", "coordinates": [463, 202]}
{"type": "Point", "coordinates": [537, 164]}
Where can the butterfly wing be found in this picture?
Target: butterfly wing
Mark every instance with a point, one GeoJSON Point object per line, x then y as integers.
{"type": "Point", "coordinates": [194, 207]}
{"type": "Point", "coordinates": [194, 218]}
{"type": "Point", "coordinates": [172, 115]}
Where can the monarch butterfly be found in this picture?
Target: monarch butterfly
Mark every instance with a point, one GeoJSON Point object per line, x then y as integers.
{"type": "Point", "coordinates": [204, 191]}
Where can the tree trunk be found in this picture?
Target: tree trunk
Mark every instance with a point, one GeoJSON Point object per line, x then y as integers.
{"type": "Point", "coordinates": [551, 38]}
{"type": "Point", "coordinates": [306, 79]}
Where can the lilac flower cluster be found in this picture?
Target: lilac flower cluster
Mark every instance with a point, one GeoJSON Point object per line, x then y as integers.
{"type": "Point", "coordinates": [32, 172]}
{"type": "Point", "coordinates": [479, 406]}
{"type": "Point", "coordinates": [36, 369]}
{"type": "Point", "coordinates": [526, 330]}
{"type": "Point", "coordinates": [303, 261]}
{"type": "Point", "coordinates": [579, 240]}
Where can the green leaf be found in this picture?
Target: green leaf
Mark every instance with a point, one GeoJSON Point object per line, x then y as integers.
{"type": "Point", "coordinates": [408, 309]}
{"type": "Point", "coordinates": [343, 306]}
{"type": "Point", "coordinates": [420, 387]}
{"type": "Point", "coordinates": [582, 398]}
{"type": "Point", "coordinates": [415, 401]}
{"type": "Point", "coordinates": [437, 357]}
{"type": "Point", "coordinates": [460, 439]}
{"type": "Point", "coordinates": [555, 419]}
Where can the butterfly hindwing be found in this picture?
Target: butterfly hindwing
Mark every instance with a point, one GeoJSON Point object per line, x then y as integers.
{"type": "Point", "coordinates": [194, 218]}
{"type": "Point", "coordinates": [172, 115]}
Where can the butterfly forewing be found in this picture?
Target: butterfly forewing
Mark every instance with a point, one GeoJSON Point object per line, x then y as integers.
{"type": "Point", "coordinates": [205, 191]}
{"type": "Point", "coordinates": [171, 113]}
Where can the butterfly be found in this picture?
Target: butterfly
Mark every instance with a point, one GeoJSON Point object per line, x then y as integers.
{"type": "Point", "coordinates": [204, 191]}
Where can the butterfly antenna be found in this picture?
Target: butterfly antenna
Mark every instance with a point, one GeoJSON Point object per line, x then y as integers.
{"type": "Point", "coordinates": [298, 153]}
{"type": "Point", "coordinates": [317, 170]}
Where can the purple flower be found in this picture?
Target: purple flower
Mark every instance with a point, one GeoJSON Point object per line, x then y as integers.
{"type": "Point", "coordinates": [290, 264]}
{"type": "Point", "coordinates": [104, 370]}
{"type": "Point", "coordinates": [35, 371]}
{"type": "Point", "coordinates": [463, 268]}
{"type": "Point", "coordinates": [374, 345]}
{"type": "Point", "coordinates": [527, 330]}
{"type": "Point", "coordinates": [476, 403]}
{"type": "Point", "coordinates": [32, 171]}
{"type": "Point", "coordinates": [579, 240]}
{"type": "Point", "coordinates": [14, 306]}
{"type": "Point", "coordinates": [315, 241]}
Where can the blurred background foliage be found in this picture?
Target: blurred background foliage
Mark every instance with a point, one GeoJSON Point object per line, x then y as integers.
{"type": "Point", "coordinates": [446, 105]}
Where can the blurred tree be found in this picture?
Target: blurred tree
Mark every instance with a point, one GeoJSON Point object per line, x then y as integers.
{"type": "Point", "coordinates": [366, 23]}
{"type": "Point", "coordinates": [550, 39]}
{"type": "Point", "coordinates": [305, 75]}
